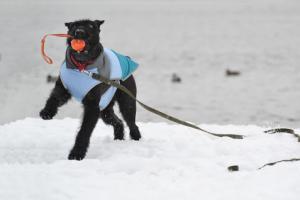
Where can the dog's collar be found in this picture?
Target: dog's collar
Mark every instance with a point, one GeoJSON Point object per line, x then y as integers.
{"type": "Point", "coordinates": [80, 65]}
{"type": "Point", "coordinates": [72, 63]}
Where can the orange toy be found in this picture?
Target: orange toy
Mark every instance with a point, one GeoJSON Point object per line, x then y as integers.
{"type": "Point", "coordinates": [77, 45]}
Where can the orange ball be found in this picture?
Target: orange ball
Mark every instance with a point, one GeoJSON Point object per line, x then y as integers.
{"type": "Point", "coordinates": [77, 45]}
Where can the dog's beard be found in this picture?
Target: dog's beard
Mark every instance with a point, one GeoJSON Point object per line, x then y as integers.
{"type": "Point", "coordinates": [88, 54]}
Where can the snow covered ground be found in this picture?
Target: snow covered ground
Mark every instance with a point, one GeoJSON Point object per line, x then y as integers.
{"type": "Point", "coordinates": [197, 39]}
{"type": "Point", "coordinates": [170, 162]}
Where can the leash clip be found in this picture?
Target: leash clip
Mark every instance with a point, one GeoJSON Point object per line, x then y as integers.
{"type": "Point", "coordinates": [87, 73]}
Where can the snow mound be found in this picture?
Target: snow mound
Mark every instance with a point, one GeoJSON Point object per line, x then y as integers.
{"type": "Point", "coordinates": [170, 162]}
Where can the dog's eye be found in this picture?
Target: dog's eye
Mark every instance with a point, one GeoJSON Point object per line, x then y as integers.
{"type": "Point", "coordinates": [91, 26]}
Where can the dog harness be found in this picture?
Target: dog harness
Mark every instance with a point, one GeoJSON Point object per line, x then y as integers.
{"type": "Point", "coordinates": [110, 64]}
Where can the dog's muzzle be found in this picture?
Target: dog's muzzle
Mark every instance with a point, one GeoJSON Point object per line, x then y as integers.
{"type": "Point", "coordinates": [80, 33]}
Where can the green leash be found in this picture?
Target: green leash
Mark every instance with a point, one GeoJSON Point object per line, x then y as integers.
{"type": "Point", "coordinates": [184, 123]}
{"type": "Point", "coordinates": [153, 110]}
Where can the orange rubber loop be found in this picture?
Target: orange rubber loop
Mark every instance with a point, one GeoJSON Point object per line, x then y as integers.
{"type": "Point", "coordinates": [47, 58]}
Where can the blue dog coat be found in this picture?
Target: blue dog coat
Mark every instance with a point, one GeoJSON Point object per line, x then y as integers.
{"type": "Point", "coordinates": [110, 64]}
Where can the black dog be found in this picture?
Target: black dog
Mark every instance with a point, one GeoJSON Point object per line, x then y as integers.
{"type": "Point", "coordinates": [89, 31]}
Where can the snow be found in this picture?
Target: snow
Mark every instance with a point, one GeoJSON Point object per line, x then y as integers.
{"type": "Point", "coordinates": [170, 162]}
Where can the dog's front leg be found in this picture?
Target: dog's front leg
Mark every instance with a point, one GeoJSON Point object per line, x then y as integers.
{"type": "Point", "coordinates": [58, 97]}
{"type": "Point", "coordinates": [89, 121]}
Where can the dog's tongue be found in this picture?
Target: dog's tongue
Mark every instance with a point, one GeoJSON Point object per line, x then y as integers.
{"type": "Point", "coordinates": [77, 45]}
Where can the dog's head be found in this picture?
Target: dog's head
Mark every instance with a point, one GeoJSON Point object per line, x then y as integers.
{"type": "Point", "coordinates": [88, 31]}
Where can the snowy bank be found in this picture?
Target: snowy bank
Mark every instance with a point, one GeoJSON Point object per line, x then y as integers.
{"type": "Point", "coordinates": [170, 162]}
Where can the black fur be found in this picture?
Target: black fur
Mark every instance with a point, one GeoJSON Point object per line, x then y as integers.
{"type": "Point", "coordinates": [88, 31]}
{"type": "Point", "coordinates": [60, 95]}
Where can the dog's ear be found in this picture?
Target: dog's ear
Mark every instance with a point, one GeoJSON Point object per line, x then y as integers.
{"type": "Point", "coordinates": [99, 22]}
{"type": "Point", "coordinates": [68, 24]}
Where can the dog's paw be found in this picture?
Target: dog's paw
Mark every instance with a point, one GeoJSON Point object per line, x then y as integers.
{"type": "Point", "coordinates": [47, 114]}
{"type": "Point", "coordinates": [119, 132]}
{"type": "Point", "coordinates": [135, 134]}
{"type": "Point", "coordinates": [77, 154]}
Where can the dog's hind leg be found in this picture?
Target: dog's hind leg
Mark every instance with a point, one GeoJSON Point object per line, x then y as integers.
{"type": "Point", "coordinates": [109, 117]}
{"type": "Point", "coordinates": [128, 107]}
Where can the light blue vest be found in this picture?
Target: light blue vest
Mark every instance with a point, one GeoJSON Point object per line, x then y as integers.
{"type": "Point", "coordinates": [114, 67]}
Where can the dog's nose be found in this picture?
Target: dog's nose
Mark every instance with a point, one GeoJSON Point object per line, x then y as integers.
{"type": "Point", "coordinates": [80, 33]}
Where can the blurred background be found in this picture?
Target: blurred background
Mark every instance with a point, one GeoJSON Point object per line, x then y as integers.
{"type": "Point", "coordinates": [184, 48]}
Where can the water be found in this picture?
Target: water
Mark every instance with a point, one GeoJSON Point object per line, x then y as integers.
{"type": "Point", "coordinates": [198, 40]}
